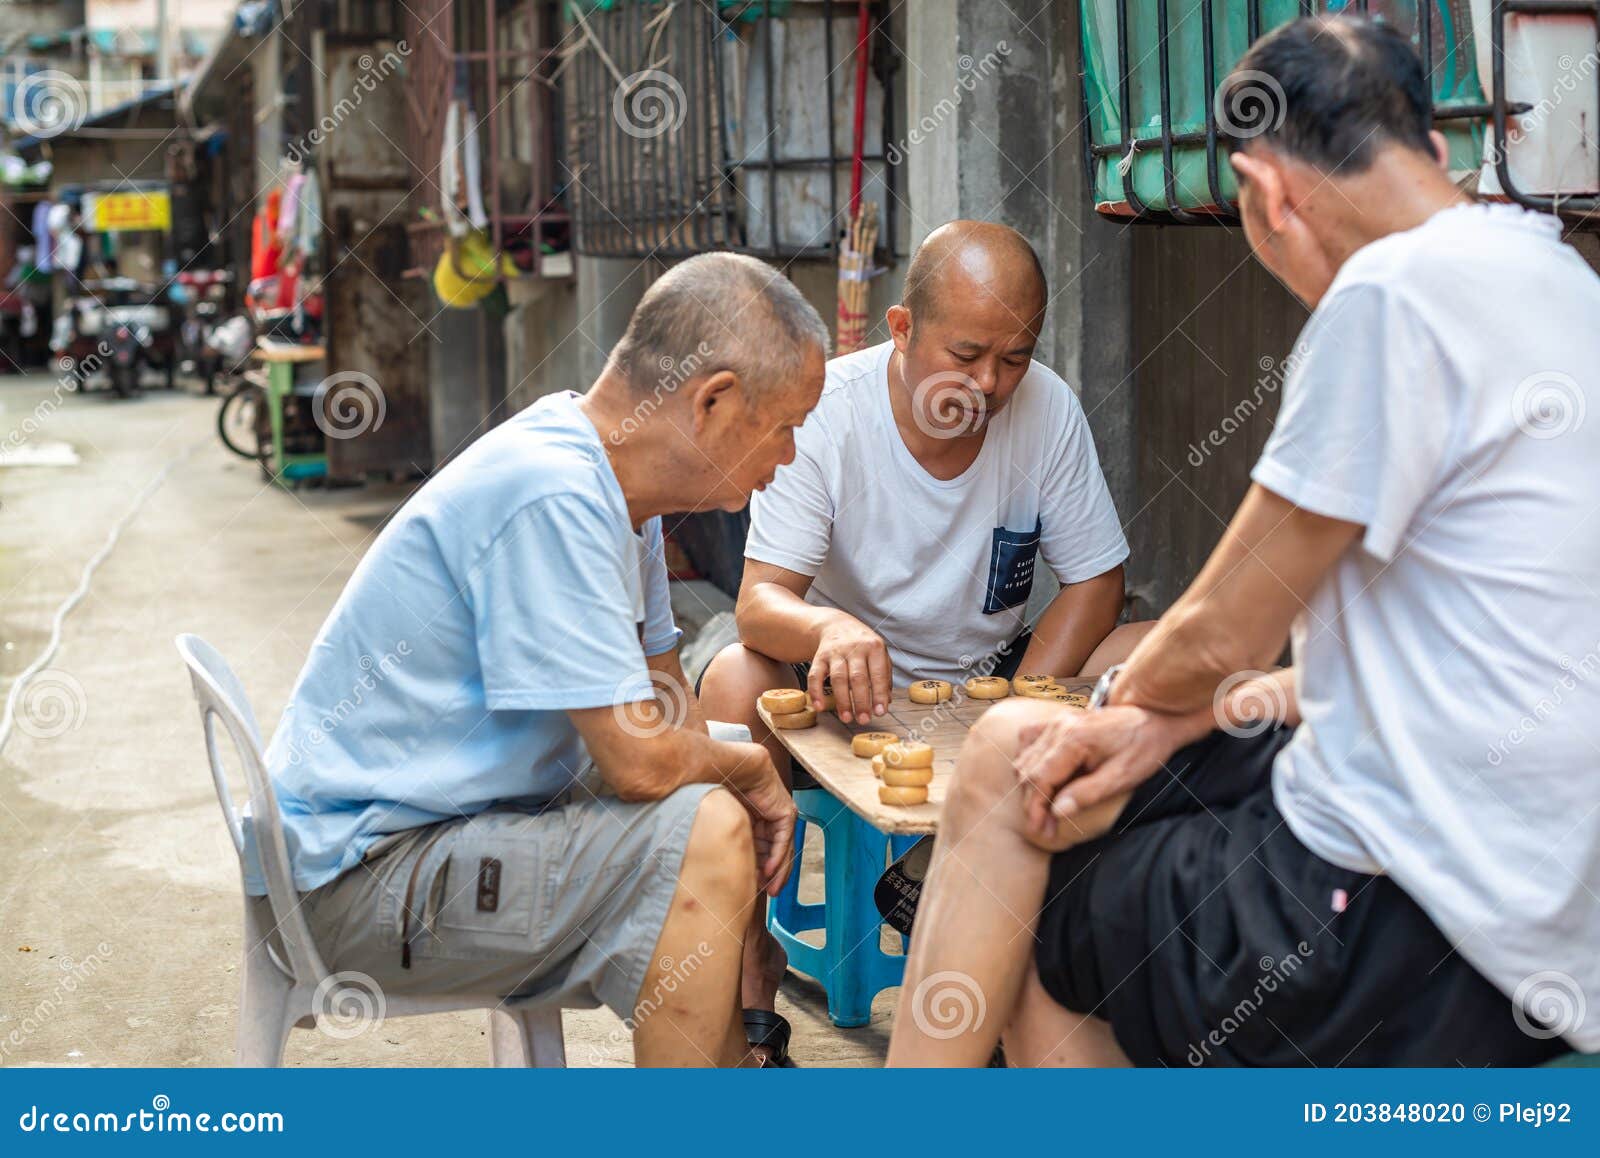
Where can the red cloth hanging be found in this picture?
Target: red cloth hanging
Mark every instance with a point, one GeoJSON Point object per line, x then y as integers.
{"type": "Point", "coordinates": [266, 250]}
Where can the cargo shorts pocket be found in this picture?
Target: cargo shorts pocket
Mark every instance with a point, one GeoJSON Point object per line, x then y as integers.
{"type": "Point", "coordinates": [482, 902]}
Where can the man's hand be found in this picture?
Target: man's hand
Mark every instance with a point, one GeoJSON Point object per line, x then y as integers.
{"type": "Point", "coordinates": [855, 661]}
{"type": "Point", "coordinates": [772, 815]}
{"type": "Point", "coordinates": [1083, 759]}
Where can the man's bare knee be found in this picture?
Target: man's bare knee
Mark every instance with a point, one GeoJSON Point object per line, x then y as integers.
{"type": "Point", "coordinates": [721, 851]}
{"type": "Point", "coordinates": [735, 677]}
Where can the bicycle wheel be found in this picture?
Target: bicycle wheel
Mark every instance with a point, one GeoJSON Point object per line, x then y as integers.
{"type": "Point", "coordinates": [236, 421]}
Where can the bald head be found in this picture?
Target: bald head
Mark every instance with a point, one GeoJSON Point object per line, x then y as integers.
{"type": "Point", "coordinates": [963, 260]}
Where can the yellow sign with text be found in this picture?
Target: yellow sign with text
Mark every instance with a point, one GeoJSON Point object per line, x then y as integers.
{"type": "Point", "coordinates": [128, 212]}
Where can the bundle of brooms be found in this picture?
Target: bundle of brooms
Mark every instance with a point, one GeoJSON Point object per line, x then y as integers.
{"type": "Point", "coordinates": [855, 270]}
{"type": "Point", "coordinates": [858, 244]}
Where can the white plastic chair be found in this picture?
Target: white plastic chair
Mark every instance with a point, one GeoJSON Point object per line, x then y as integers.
{"type": "Point", "coordinates": [277, 995]}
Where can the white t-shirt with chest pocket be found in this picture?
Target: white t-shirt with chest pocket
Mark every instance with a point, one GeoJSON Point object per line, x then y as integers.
{"type": "Point", "coordinates": [940, 568]}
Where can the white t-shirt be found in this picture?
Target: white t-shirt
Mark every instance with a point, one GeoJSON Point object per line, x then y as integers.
{"type": "Point", "coordinates": [941, 569]}
{"type": "Point", "coordinates": [1449, 666]}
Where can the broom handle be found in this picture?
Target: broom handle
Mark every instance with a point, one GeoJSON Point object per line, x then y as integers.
{"type": "Point", "coordinates": [863, 34]}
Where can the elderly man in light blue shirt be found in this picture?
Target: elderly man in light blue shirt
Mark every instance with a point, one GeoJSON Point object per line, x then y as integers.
{"type": "Point", "coordinates": [492, 774]}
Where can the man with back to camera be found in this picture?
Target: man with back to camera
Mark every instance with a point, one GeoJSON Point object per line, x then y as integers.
{"type": "Point", "coordinates": [900, 544]}
{"type": "Point", "coordinates": [1366, 858]}
{"type": "Point", "coordinates": [510, 810]}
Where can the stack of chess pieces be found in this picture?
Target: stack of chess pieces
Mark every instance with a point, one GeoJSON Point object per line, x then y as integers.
{"type": "Point", "coordinates": [904, 766]}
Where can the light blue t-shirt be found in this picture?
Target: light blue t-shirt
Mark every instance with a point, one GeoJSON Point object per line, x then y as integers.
{"type": "Point", "coordinates": [508, 590]}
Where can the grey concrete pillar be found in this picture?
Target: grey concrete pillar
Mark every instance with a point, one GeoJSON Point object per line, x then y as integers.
{"type": "Point", "coordinates": [608, 289]}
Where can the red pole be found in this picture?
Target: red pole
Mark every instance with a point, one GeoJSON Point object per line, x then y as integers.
{"type": "Point", "coordinates": [863, 35]}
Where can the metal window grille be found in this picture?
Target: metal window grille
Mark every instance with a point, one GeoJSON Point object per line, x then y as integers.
{"type": "Point", "coordinates": [1112, 97]}
{"type": "Point", "coordinates": [654, 168]}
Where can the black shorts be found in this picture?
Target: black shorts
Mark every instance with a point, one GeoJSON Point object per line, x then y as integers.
{"type": "Point", "coordinates": [1207, 934]}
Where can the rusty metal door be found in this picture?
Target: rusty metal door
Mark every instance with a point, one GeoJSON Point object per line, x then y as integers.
{"type": "Point", "coordinates": [1211, 332]}
{"type": "Point", "coordinates": [377, 321]}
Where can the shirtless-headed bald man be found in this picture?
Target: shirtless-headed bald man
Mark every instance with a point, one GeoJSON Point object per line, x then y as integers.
{"type": "Point", "coordinates": [900, 543]}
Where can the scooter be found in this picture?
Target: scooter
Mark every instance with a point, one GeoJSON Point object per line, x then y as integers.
{"type": "Point", "coordinates": [130, 349]}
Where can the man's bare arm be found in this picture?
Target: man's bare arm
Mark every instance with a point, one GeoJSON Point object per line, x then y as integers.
{"type": "Point", "coordinates": [775, 620]}
{"type": "Point", "coordinates": [1077, 620]}
{"type": "Point", "coordinates": [666, 671]}
{"type": "Point", "coordinates": [1236, 615]}
{"type": "Point", "coordinates": [643, 757]}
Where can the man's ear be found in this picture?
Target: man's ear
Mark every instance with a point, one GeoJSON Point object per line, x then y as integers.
{"type": "Point", "coordinates": [1441, 149]}
{"type": "Point", "coordinates": [899, 319]}
{"type": "Point", "coordinates": [713, 395]}
{"type": "Point", "coordinates": [1266, 182]}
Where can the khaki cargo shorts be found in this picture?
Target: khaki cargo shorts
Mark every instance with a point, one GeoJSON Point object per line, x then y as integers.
{"type": "Point", "coordinates": [564, 904]}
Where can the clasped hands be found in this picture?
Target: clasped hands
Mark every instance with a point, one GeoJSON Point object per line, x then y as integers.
{"type": "Point", "coordinates": [1082, 760]}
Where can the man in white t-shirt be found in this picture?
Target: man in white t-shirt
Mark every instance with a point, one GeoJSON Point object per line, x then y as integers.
{"type": "Point", "coordinates": [1388, 853]}
{"type": "Point", "coordinates": [901, 542]}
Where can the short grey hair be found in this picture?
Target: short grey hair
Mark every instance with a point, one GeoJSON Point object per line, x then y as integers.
{"type": "Point", "coordinates": [719, 311]}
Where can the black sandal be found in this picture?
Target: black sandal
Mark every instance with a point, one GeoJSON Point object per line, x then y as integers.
{"type": "Point", "coordinates": [767, 1030]}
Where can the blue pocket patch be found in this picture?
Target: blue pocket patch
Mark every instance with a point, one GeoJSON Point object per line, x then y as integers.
{"type": "Point", "coordinates": [1011, 568]}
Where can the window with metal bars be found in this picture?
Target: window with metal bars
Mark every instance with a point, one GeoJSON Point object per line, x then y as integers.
{"type": "Point", "coordinates": [1158, 152]}
{"type": "Point", "coordinates": [696, 126]}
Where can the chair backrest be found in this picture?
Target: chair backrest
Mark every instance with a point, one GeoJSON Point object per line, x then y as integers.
{"type": "Point", "coordinates": [221, 697]}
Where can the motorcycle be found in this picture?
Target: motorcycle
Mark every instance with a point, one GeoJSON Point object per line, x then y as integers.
{"type": "Point", "coordinates": [120, 325]}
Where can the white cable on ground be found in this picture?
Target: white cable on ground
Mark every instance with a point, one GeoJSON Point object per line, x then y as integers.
{"type": "Point", "coordinates": [99, 557]}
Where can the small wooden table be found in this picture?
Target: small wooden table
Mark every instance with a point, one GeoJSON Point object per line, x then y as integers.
{"type": "Point", "coordinates": [824, 751]}
{"type": "Point", "coordinates": [280, 359]}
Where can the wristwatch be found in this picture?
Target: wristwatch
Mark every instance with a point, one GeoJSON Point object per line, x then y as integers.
{"type": "Point", "coordinates": [1102, 689]}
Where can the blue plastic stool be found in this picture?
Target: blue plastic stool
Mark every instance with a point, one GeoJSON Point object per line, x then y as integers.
{"type": "Point", "coordinates": [850, 965]}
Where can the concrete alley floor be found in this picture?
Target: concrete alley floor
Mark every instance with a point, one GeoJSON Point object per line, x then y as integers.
{"type": "Point", "coordinates": [119, 887]}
